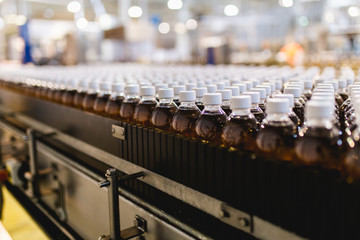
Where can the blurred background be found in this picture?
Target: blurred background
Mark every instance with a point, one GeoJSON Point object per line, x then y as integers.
{"type": "Point", "coordinates": [295, 32]}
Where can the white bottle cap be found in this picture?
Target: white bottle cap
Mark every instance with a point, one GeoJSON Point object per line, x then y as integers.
{"type": "Point", "coordinates": [211, 88]}
{"type": "Point", "coordinates": [262, 92]}
{"type": "Point", "coordinates": [290, 97]}
{"type": "Point", "coordinates": [165, 93]}
{"type": "Point", "coordinates": [187, 96]}
{"type": "Point", "coordinates": [83, 84]}
{"type": "Point", "coordinates": [160, 85]}
{"type": "Point", "coordinates": [94, 84]}
{"type": "Point", "coordinates": [132, 89]}
{"type": "Point", "coordinates": [297, 85]}
{"type": "Point", "coordinates": [178, 88]}
{"type": "Point", "coordinates": [190, 86]}
{"type": "Point", "coordinates": [308, 84]}
{"type": "Point", "coordinates": [277, 105]}
{"type": "Point", "coordinates": [317, 81]}
{"type": "Point", "coordinates": [296, 91]}
{"type": "Point", "coordinates": [335, 84]}
{"type": "Point", "coordinates": [200, 91]}
{"type": "Point", "coordinates": [105, 86]}
{"type": "Point", "coordinates": [318, 109]}
{"type": "Point", "coordinates": [342, 83]}
{"type": "Point", "coordinates": [242, 87]}
{"type": "Point", "coordinates": [220, 85]}
{"type": "Point", "coordinates": [266, 87]}
{"type": "Point", "coordinates": [235, 90]}
{"type": "Point", "coordinates": [200, 84]}
{"type": "Point", "coordinates": [278, 84]}
{"type": "Point", "coordinates": [71, 83]}
{"type": "Point", "coordinates": [225, 94]}
{"type": "Point", "coordinates": [212, 99]}
{"type": "Point", "coordinates": [255, 81]}
{"type": "Point", "coordinates": [272, 85]}
{"type": "Point", "coordinates": [349, 81]}
{"type": "Point", "coordinates": [325, 85]}
{"type": "Point", "coordinates": [117, 87]}
{"type": "Point", "coordinates": [249, 84]}
{"type": "Point", "coordinates": [147, 91]}
{"type": "Point", "coordinates": [255, 96]}
{"type": "Point", "coordinates": [240, 102]}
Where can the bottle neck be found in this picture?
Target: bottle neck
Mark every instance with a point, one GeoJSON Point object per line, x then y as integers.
{"type": "Point", "coordinates": [240, 112]}
{"type": "Point", "coordinates": [226, 103]}
{"type": "Point", "coordinates": [103, 92]}
{"type": "Point", "coordinates": [188, 105]}
{"type": "Point", "coordinates": [117, 94]}
{"type": "Point", "coordinates": [165, 101]}
{"type": "Point", "coordinates": [319, 123]}
{"type": "Point", "coordinates": [212, 108]}
{"type": "Point", "coordinates": [278, 117]}
{"type": "Point", "coordinates": [199, 99]}
{"type": "Point", "coordinates": [131, 96]}
{"type": "Point", "coordinates": [255, 106]}
{"type": "Point", "coordinates": [148, 99]}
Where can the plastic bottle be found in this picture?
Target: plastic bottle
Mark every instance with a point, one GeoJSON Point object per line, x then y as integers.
{"type": "Point", "coordinates": [67, 97]}
{"type": "Point", "coordinates": [200, 91]}
{"type": "Point", "coordinates": [102, 97]}
{"type": "Point", "coordinates": [164, 111]}
{"type": "Point", "coordinates": [186, 115]}
{"type": "Point", "coordinates": [89, 99]}
{"type": "Point", "coordinates": [225, 104]}
{"type": "Point", "coordinates": [277, 134]}
{"type": "Point", "coordinates": [255, 109]}
{"type": "Point", "coordinates": [262, 92]}
{"type": "Point", "coordinates": [127, 107]}
{"type": "Point", "coordinates": [177, 90]}
{"type": "Point", "coordinates": [298, 106]}
{"type": "Point", "coordinates": [241, 126]}
{"type": "Point", "coordinates": [210, 124]}
{"type": "Point", "coordinates": [319, 141]}
{"type": "Point", "coordinates": [112, 108]}
{"type": "Point", "coordinates": [146, 106]}
{"type": "Point", "coordinates": [80, 93]}
{"type": "Point", "coordinates": [292, 115]}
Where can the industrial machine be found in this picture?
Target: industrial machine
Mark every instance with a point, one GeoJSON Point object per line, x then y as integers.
{"type": "Point", "coordinates": [85, 176]}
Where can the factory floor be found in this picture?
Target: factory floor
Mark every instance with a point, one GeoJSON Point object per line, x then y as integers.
{"type": "Point", "coordinates": [17, 222]}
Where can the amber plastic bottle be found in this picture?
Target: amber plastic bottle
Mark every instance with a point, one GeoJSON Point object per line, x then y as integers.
{"type": "Point", "coordinates": [292, 115]}
{"type": "Point", "coordinates": [102, 98]}
{"type": "Point", "coordinates": [89, 99]}
{"type": "Point", "coordinates": [277, 134]}
{"type": "Point", "coordinates": [186, 115]}
{"type": "Point", "coordinates": [225, 102]}
{"type": "Point", "coordinates": [58, 91]}
{"type": "Point", "coordinates": [298, 106]}
{"type": "Point", "coordinates": [177, 89]}
{"type": "Point", "coordinates": [342, 89]}
{"type": "Point", "coordinates": [211, 122]}
{"type": "Point", "coordinates": [241, 126]}
{"type": "Point", "coordinates": [164, 111]}
{"type": "Point", "coordinates": [127, 107]}
{"type": "Point", "coordinates": [255, 109]}
{"type": "Point", "coordinates": [200, 91]}
{"type": "Point", "coordinates": [262, 92]}
{"type": "Point", "coordinates": [80, 93]}
{"type": "Point", "coordinates": [146, 105]}
{"type": "Point", "coordinates": [112, 108]}
{"type": "Point", "coordinates": [69, 94]}
{"type": "Point", "coordinates": [319, 141]}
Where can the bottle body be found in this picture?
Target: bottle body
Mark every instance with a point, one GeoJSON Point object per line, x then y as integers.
{"type": "Point", "coordinates": [184, 120]}
{"type": "Point", "coordinates": [143, 112]}
{"type": "Point", "coordinates": [113, 105]}
{"type": "Point", "coordinates": [100, 102]}
{"type": "Point", "coordinates": [162, 116]}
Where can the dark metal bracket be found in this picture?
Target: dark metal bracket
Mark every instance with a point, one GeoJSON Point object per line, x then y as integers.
{"type": "Point", "coordinates": [112, 182]}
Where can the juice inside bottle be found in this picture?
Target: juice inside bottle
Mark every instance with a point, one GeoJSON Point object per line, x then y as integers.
{"type": "Point", "coordinates": [112, 107]}
{"type": "Point", "coordinates": [211, 122]}
{"type": "Point", "coordinates": [127, 107]}
{"type": "Point", "coordinates": [102, 97]}
{"type": "Point", "coordinates": [277, 135]}
{"type": "Point", "coordinates": [144, 109]}
{"type": "Point", "coordinates": [186, 115]}
{"type": "Point", "coordinates": [298, 106]}
{"type": "Point", "coordinates": [70, 91]}
{"type": "Point", "coordinates": [58, 92]}
{"type": "Point", "coordinates": [200, 91]}
{"type": "Point", "coordinates": [80, 93]}
{"type": "Point", "coordinates": [225, 104]}
{"type": "Point", "coordinates": [164, 111]}
{"type": "Point", "coordinates": [319, 141]}
{"type": "Point", "coordinates": [89, 99]}
{"type": "Point", "coordinates": [241, 126]}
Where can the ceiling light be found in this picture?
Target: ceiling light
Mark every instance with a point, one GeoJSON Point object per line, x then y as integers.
{"type": "Point", "coordinates": [329, 17]}
{"type": "Point", "coordinates": [303, 21]}
{"type": "Point", "coordinates": [191, 24]}
{"type": "Point", "coordinates": [286, 3]}
{"type": "Point", "coordinates": [81, 23]}
{"type": "Point", "coordinates": [135, 12]}
{"type": "Point", "coordinates": [180, 28]}
{"type": "Point", "coordinates": [175, 4]}
{"type": "Point", "coordinates": [164, 28]}
{"type": "Point", "coordinates": [74, 6]}
{"type": "Point", "coordinates": [231, 10]}
{"type": "Point", "coordinates": [354, 11]}
{"type": "Point", "coordinates": [20, 20]}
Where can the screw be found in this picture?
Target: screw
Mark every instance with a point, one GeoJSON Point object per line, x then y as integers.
{"type": "Point", "coordinates": [111, 172]}
{"type": "Point", "coordinates": [243, 222]}
{"type": "Point", "coordinates": [113, 130]}
{"type": "Point", "coordinates": [224, 214]}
